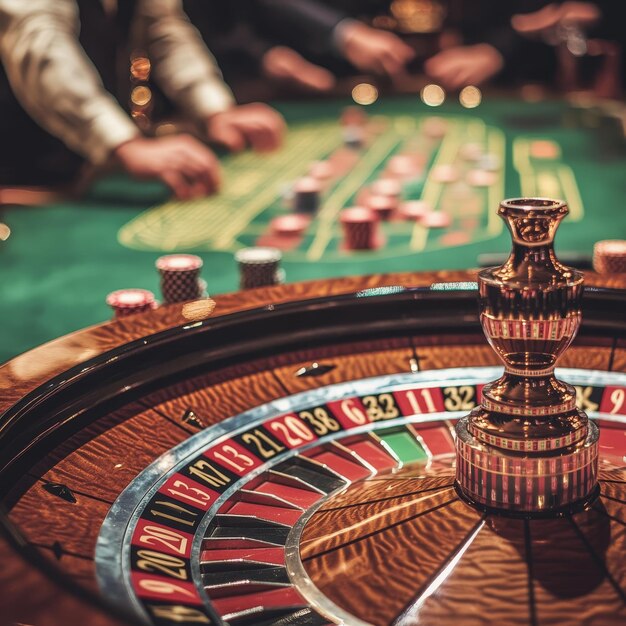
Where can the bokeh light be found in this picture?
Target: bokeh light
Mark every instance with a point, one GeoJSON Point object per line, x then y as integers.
{"type": "Point", "coordinates": [5, 232]}
{"type": "Point", "coordinates": [141, 96]}
{"type": "Point", "coordinates": [433, 95]}
{"type": "Point", "coordinates": [140, 68]}
{"type": "Point", "coordinates": [166, 128]}
{"type": "Point", "coordinates": [470, 97]}
{"type": "Point", "coordinates": [364, 93]}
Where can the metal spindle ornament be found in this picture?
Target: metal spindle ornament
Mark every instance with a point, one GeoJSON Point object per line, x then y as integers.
{"type": "Point", "coordinates": [527, 448]}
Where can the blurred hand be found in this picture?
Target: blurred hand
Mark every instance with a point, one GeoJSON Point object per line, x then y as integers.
{"type": "Point", "coordinates": [465, 65]}
{"type": "Point", "coordinates": [373, 50]}
{"type": "Point", "coordinates": [282, 63]}
{"type": "Point", "coordinates": [539, 22]}
{"type": "Point", "coordinates": [183, 163]}
{"type": "Point", "coordinates": [255, 124]}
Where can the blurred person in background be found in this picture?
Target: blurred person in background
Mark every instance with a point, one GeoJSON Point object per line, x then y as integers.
{"type": "Point", "coordinates": [307, 43]}
{"type": "Point", "coordinates": [65, 81]}
{"type": "Point", "coordinates": [588, 38]}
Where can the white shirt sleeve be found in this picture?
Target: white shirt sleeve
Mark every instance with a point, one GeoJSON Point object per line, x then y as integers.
{"type": "Point", "coordinates": [55, 81]}
{"type": "Point", "coordinates": [185, 69]}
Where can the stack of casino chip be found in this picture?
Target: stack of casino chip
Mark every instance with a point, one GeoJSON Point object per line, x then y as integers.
{"type": "Point", "coordinates": [180, 277]}
{"type": "Point", "coordinates": [292, 225]}
{"type": "Point", "coordinates": [130, 301]}
{"type": "Point", "coordinates": [354, 137]}
{"type": "Point", "coordinates": [383, 205]}
{"type": "Point", "coordinates": [360, 228]}
{"type": "Point", "coordinates": [609, 256]}
{"type": "Point", "coordinates": [307, 195]}
{"type": "Point", "coordinates": [259, 267]}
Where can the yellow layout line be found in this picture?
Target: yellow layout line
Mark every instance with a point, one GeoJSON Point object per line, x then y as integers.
{"type": "Point", "coordinates": [432, 189]}
{"type": "Point", "coordinates": [572, 193]}
{"type": "Point", "coordinates": [521, 162]}
{"type": "Point", "coordinates": [335, 202]}
{"type": "Point", "coordinates": [475, 130]}
{"type": "Point", "coordinates": [448, 149]}
{"type": "Point", "coordinates": [556, 180]}
{"type": "Point", "coordinates": [496, 144]}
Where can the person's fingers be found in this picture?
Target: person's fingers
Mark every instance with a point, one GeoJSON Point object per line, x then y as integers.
{"type": "Point", "coordinates": [529, 23]}
{"type": "Point", "coordinates": [212, 171]}
{"type": "Point", "coordinates": [447, 75]}
{"type": "Point", "coordinates": [270, 126]}
{"type": "Point", "coordinates": [437, 64]}
{"type": "Point", "coordinates": [401, 52]}
{"type": "Point", "coordinates": [408, 53]}
{"type": "Point", "coordinates": [451, 81]}
{"type": "Point", "coordinates": [466, 76]}
{"type": "Point", "coordinates": [261, 135]}
{"type": "Point", "coordinates": [390, 64]}
{"type": "Point", "coordinates": [438, 71]}
{"type": "Point", "coordinates": [198, 189]}
{"type": "Point", "coordinates": [230, 136]}
{"type": "Point", "coordinates": [177, 183]}
{"type": "Point", "coordinates": [580, 12]}
{"type": "Point", "coordinates": [315, 77]}
{"type": "Point", "coordinates": [373, 63]}
{"type": "Point", "coordinates": [287, 64]}
{"type": "Point", "coordinates": [276, 122]}
{"type": "Point", "coordinates": [206, 167]}
{"type": "Point", "coordinates": [201, 178]}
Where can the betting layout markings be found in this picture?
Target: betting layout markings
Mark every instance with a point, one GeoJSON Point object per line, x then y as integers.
{"type": "Point", "coordinates": [460, 130]}
{"type": "Point", "coordinates": [547, 176]}
{"type": "Point", "coordinates": [191, 224]}
{"type": "Point", "coordinates": [215, 223]}
{"type": "Point", "coordinates": [376, 153]}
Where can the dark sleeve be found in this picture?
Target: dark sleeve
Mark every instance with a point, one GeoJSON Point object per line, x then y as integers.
{"type": "Point", "coordinates": [305, 25]}
{"type": "Point", "coordinates": [611, 24]}
{"type": "Point", "coordinates": [231, 38]}
{"type": "Point", "coordinates": [493, 25]}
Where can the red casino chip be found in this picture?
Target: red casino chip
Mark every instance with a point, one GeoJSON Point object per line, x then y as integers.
{"type": "Point", "coordinates": [414, 210]}
{"type": "Point", "coordinates": [360, 228]}
{"type": "Point", "coordinates": [471, 151]}
{"type": "Point", "coordinates": [290, 225]}
{"type": "Point", "coordinates": [383, 206]}
{"type": "Point", "coordinates": [609, 256]}
{"type": "Point", "coordinates": [481, 178]}
{"type": "Point", "coordinates": [179, 263]}
{"type": "Point", "coordinates": [131, 301]}
{"type": "Point", "coordinates": [544, 149]}
{"type": "Point", "coordinates": [404, 166]}
{"type": "Point", "coordinates": [444, 174]}
{"type": "Point", "coordinates": [386, 187]}
{"type": "Point", "coordinates": [321, 170]}
{"type": "Point", "coordinates": [436, 219]}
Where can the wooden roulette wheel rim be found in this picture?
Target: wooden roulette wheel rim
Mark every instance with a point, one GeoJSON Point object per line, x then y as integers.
{"type": "Point", "coordinates": [245, 352]}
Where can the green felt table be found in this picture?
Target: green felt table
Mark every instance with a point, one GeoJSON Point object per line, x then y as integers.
{"type": "Point", "coordinates": [61, 260]}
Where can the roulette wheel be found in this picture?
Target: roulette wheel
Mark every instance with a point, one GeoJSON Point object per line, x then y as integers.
{"type": "Point", "coordinates": [303, 455]}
